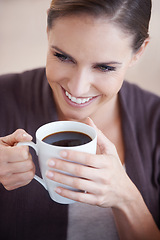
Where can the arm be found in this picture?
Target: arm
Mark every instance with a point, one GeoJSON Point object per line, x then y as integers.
{"type": "Point", "coordinates": [134, 221]}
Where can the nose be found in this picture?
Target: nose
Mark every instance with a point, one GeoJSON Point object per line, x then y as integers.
{"type": "Point", "coordinates": [79, 83]}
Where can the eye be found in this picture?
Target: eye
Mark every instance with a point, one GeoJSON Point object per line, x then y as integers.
{"type": "Point", "coordinates": [62, 57]}
{"type": "Point", "coordinates": [105, 68]}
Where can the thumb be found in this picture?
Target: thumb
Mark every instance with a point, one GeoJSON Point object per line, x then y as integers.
{"type": "Point", "coordinates": [19, 135]}
{"type": "Point", "coordinates": [104, 144]}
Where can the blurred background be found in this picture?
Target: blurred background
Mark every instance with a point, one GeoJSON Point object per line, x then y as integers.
{"type": "Point", "coordinates": [23, 41]}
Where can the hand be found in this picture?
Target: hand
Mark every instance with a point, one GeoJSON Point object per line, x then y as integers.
{"type": "Point", "coordinates": [16, 165]}
{"type": "Point", "coordinates": [102, 175]}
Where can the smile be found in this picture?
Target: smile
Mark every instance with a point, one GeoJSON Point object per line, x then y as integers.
{"type": "Point", "coordinates": [77, 100]}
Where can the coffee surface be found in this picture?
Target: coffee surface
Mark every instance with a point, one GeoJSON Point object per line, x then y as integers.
{"type": "Point", "coordinates": [67, 139]}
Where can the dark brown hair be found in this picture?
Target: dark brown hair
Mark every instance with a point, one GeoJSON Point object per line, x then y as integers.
{"type": "Point", "coordinates": [132, 16]}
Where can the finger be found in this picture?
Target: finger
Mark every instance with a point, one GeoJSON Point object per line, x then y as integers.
{"type": "Point", "coordinates": [16, 167]}
{"type": "Point", "coordinates": [73, 168]}
{"type": "Point", "coordinates": [82, 197]}
{"type": "Point", "coordinates": [14, 154]}
{"type": "Point", "coordinates": [19, 135]}
{"type": "Point", "coordinates": [18, 180]}
{"type": "Point", "coordinates": [87, 159]}
{"type": "Point", "coordinates": [77, 183]}
{"type": "Point", "coordinates": [74, 182]}
{"type": "Point", "coordinates": [104, 144]}
{"type": "Point", "coordinates": [100, 176]}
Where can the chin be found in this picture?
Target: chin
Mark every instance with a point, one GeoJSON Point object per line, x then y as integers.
{"type": "Point", "coordinates": [74, 117]}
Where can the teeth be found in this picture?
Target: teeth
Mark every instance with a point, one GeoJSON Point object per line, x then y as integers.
{"type": "Point", "coordinates": [67, 94]}
{"type": "Point", "coordinates": [77, 100]}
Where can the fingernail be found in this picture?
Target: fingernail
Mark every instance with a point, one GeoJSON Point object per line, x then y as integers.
{"type": "Point", "coordinates": [49, 174]}
{"type": "Point", "coordinates": [51, 163]}
{"type": "Point", "coordinates": [25, 135]}
{"type": "Point", "coordinates": [90, 119]}
{"type": "Point", "coordinates": [63, 154]}
{"type": "Point", "coordinates": [58, 190]}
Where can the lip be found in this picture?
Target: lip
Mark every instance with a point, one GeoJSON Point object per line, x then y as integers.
{"type": "Point", "coordinates": [73, 104]}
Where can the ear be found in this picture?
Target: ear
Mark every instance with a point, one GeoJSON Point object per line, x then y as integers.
{"type": "Point", "coordinates": [139, 53]}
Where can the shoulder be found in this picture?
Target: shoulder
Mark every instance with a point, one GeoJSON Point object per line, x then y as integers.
{"type": "Point", "coordinates": [142, 109]}
{"type": "Point", "coordinates": [19, 85]}
{"type": "Point", "coordinates": [14, 79]}
{"type": "Point", "coordinates": [134, 93]}
{"type": "Point", "coordinates": [20, 90]}
{"type": "Point", "coordinates": [24, 98]}
{"type": "Point", "coordinates": [139, 101]}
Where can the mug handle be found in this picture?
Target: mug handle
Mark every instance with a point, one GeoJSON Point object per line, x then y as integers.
{"type": "Point", "coordinates": [34, 146]}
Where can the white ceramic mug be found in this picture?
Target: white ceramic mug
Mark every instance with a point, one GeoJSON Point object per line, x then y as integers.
{"type": "Point", "coordinates": [46, 151]}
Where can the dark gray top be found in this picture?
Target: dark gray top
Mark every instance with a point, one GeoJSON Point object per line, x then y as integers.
{"type": "Point", "coordinates": [26, 101]}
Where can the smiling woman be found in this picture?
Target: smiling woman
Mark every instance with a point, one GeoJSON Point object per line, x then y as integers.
{"type": "Point", "coordinates": [91, 45]}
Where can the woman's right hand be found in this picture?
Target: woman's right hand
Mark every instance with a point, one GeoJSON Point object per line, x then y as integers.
{"type": "Point", "coordinates": [16, 166]}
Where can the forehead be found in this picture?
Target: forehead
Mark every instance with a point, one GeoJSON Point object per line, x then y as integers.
{"type": "Point", "coordinates": [81, 33]}
{"type": "Point", "coordinates": [82, 22]}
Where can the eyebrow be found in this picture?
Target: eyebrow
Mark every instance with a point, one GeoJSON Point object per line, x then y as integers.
{"type": "Point", "coordinates": [64, 53]}
{"type": "Point", "coordinates": [100, 63]}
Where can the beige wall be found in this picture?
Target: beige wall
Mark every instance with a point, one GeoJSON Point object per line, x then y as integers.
{"type": "Point", "coordinates": [23, 42]}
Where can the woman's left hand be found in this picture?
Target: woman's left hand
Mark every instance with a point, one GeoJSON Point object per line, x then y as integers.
{"type": "Point", "coordinates": [101, 176]}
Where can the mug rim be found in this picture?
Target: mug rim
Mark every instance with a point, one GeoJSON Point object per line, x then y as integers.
{"type": "Point", "coordinates": [92, 132]}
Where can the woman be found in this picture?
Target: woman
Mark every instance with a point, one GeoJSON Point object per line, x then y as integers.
{"type": "Point", "coordinates": [91, 44]}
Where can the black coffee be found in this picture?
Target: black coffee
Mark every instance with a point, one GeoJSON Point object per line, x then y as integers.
{"type": "Point", "coordinates": [67, 139]}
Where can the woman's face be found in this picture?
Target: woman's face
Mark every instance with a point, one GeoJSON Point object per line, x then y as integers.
{"type": "Point", "coordinates": [86, 63]}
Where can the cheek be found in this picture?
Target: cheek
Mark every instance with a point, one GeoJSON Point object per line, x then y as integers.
{"type": "Point", "coordinates": [56, 71]}
{"type": "Point", "coordinates": [53, 72]}
{"type": "Point", "coordinates": [110, 85]}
